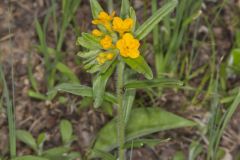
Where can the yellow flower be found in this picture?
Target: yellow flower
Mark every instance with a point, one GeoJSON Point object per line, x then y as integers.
{"type": "Point", "coordinates": [122, 26]}
{"type": "Point", "coordinates": [110, 56]}
{"type": "Point", "coordinates": [101, 60]}
{"type": "Point", "coordinates": [106, 42]}
{"type": "Point", "coordinates": [104, 19]}
{"type": "Point", "coordinates": [128, 46]}
{"type": "Point", "coordinates": [97, 33]}
{"type": "Point", "coordinates": [103, 57]}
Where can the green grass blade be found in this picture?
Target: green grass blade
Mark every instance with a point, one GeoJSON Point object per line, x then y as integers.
{"type": "Point", "coordinates": [156, 41]}
{"type": "Point", "coordinates": [10, 115]}
{"type": "Point", "coordinates": [227, 117]}
{"type": "Point", "coordinates": [148, 25]}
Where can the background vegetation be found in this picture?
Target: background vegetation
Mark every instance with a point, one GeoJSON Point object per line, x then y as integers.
{"type": "Point", "coordinates": [190, 110]}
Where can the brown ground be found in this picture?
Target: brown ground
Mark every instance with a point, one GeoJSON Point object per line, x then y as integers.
{"type": "Point", "coordinates": [38, 116]}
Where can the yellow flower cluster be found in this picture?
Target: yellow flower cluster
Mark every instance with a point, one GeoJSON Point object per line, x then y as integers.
{"type": "Point", "coordinates": [128, 46]}
{"type": "Point", "coordinates": [125, 42]}
{"type": "Point", "coordinates": [103, 57]}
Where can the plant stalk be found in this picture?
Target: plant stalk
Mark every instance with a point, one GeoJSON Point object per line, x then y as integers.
{"type": "Point", "coordinates": [121, 123]}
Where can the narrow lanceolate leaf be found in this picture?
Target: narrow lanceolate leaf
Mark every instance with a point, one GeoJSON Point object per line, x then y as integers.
{"type": "Point", "coordinates": [128, 100]}
{"type": "Point", "coordinates": [124, 8]}
{"type": "Point", "coordinates": [89, 41]}
{"type": "Point", "coordinates": [148, 25]}
{"type": "Point", "coordinates": [56, 153]}
{"type": "Point", "coordinates": [133, 16]}
{"type": "Point", "coordinates": [88, 54]}
{"type": "Point", "coordinates": [76, 89]}
{"type": "Point", "coordinates": [26, 138]}
{"type": "Point", "coordinates": [82, 90]}
{"type": "Point", "coordinates": [29, 157]}
{"type": "Point", "coordinates": [99, 85]}
{"type": "Point", "coordinates": [140, 66]}
{"type": "Point", "coordinates": [66, 71]}
{"type": "Point", "coordinates": [142, 142]}
{"type": "Point", "coordinates": [95, 8]}
{"type": "Point", "coordinates": [142, 121]}
{"type": "Point", "coordinates": [103, 155]}
{"type": "Point", "coordinates": [161, 82]}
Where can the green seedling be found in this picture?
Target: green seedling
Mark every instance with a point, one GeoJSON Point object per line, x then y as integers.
{"type": "Point", "coordinates": [37, 145]}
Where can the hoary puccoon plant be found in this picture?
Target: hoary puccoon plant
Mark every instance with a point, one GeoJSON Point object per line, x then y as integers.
{"type": "Point", "coordinates": [115, 44]}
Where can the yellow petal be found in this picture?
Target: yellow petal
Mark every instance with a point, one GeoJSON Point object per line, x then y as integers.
{"type": "Point", "coordinates": [106, 42]}
{"type": "Point", "coordinates": [110, 56]}
{"type": "Point", "coordinates": [97, 33]}
{"type": "Point", "coordinates": [134, 54]}
{"type": "Point", "coordinates": [128, 36]}
{"type": "Point", "coordinates": [103, 15]}
{"type": "Point", "coordinates": [117, 22]}
{"type": "Point", "coordinates": [128, 23]}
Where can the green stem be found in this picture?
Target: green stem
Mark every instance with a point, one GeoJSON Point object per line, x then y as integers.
{"type": "Point", "coordinates": [121, 123]}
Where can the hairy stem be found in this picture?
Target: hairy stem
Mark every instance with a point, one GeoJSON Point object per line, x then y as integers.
{"type": "Point", "coordinates": [121, 123]}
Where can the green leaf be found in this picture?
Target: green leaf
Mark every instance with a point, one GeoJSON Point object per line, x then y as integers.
{"type": "Point", "coordinates": [195, 149]}
{"type": "Point", "coordinates": [95, 68]}
{"type": "Point", "coordinates": [221, 152]}
{"type": "Point", "coordinates": [74, 156]}
{"type": "Point", "coordinates": [161, 82]}
{"type": "Point", "coordinates": [140, 66]}
{"type": "Point", "coordinates": [50, 51]}
{"type": "Point", "coordinates": [76, 89]}
{"type": "Point", "coordinates": [148, 25]}
{"type": "Point", "coordinates": [132, 15]}
{"type": "Point", "coordinates": [179, 156]}
{"type": "Point", "coordinates": [142, 121]}
{"type": "Point", "coordinates": [128, 100]}
{"type": "Point", "coordinates": [107, 65]}
{"type": "Point", "coordinates": [235, 59]}
{"type": "Point", "coordinates": [88, 54]}
{"type": "Point", "coordinates": [88, 41]}
{"type": "Point", "coordinates": [99, 85]}
{"type": "Point", "coordinates": [82, 90]}
{"type": "Point", "coordinates": [124, 9]}
{"type": "Point", "coordinates": [91, 38]}
{"type": "Point", "coordinates": [41, 139]}
{"type": "Point", "coordinates": [226, 118]}
{"type": "Point", "coordinates": [66, 131]}
{"type": "Point", "coordinates": [29, 157]}
{"type": "Point", "coordinates": [37, 95]}
{"type": "Point", "coordinates": [137, 143]}
{"type": "Point", "coordinates": [103, 155]}
{"type": "Point", "coordinates": [56, 153]}
{"type": "Point", "coordinates": [67, 72]}
{"type": "Point", "coordinates": [26, 138]}
{"type": "Point", "coordinates": [95, 8]}
{"type": "Point", "coordinates": [107, 108]}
